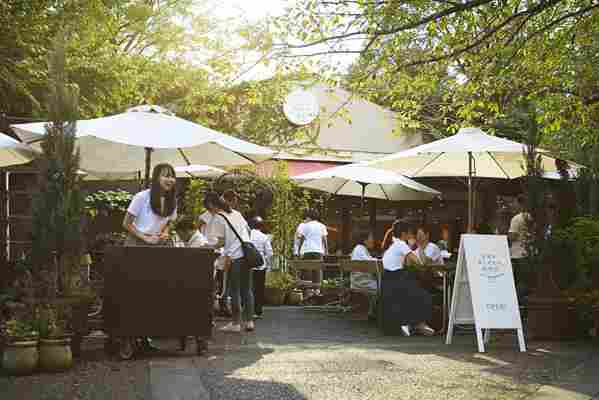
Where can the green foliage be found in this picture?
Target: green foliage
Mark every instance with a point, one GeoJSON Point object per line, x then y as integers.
{"type": "Point", "coordinates": [442, 65]}
{"type": "Point", "coordinates": [333, 283]}
{"type": "Point", "coordinates": [103, 202]}
{"type": "Point", "coordinates": [280, 280]}
{"type": "Point", "coordinates": [16, 328]}
{"type": "Point", "coordinates": [286, 213]}
{"type": "Point", "coordinates": [59, 204]}
{"type": "Point", "coordinates": [49, 322]}
{"type": "Point", "coordinates": [583, 234]}
{"type": "Point", "coordinates": [193, 200]}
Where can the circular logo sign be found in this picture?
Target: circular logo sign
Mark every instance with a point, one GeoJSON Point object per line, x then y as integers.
{"type": "Point", "coordinates": [301, 107]}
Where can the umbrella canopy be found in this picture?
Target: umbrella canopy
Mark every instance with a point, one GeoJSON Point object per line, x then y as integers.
{"type": "Point", "coordinates": [198, 171]}
{"type": "Point", "coordinates": [469, 153]}
{"type": "Point", "coordinates": [13, 152]}
{"type": "Point", "coordinates": [358, 180]}
{"type": "Point", "coordinates": [117, 145]}
{"type": "Point", "coordinates": [493, 157]}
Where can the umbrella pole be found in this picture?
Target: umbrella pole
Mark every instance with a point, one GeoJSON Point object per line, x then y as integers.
{"type": "Point", "coordinates": [470, 194]}
{"type": "Point", "coordinates": [148, 166]}
{"type": "Point", "coordinates": [363, 192]}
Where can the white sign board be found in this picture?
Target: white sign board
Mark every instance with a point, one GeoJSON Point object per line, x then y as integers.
{"type": "Point", "coordinates": [301, 107]}
{"type": "Point", "coordinates": [484, 292]}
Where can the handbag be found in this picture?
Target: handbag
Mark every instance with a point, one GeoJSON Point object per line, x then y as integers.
{"type": "Point", "coordinates": [253, 258]}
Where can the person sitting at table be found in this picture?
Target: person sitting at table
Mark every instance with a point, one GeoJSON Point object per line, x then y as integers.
{"type": "Point", "coordinates": [361, 252]}
{"type": "Point", "coordinates": [405, 303]}
{"type": "Point", "coordinates": [428, 252]}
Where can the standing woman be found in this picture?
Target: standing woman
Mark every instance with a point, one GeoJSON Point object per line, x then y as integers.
{"type": "Point", "coordinates": [262, 243]}
{"type": "Point", "coordinates": [150, 213]}
{"type": "Point", "coordinates": [151, 210]}
{"type": "Point", "coordinates": [239, 276]}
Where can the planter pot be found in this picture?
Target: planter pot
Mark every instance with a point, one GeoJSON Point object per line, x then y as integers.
{"type": "Point", "coordinates": [274, 296]}
{"type": "Point", "coordinates": [55, 355]}
{"type": "Point", "coordinates": [551, 318]}
{"type": "Point", "coordinates": [20, 357]}
{"type": "Point", "coordinates": [295, 298]}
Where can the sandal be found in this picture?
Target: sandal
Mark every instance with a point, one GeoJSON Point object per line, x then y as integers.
{"type": "Point", "coordinates": [426, 331]}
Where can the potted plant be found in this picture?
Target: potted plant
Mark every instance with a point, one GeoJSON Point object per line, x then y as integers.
{"type": "Point", "coordinates": [55, 344]}
{"type": "Point", "coordinates": [20, 355]}
{"type": "Point", "coordinates": [277, 285]}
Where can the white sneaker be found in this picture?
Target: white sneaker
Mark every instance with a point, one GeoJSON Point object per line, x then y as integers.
{"type": "Point", "coordinates": [231, 327]}
{"type": "Point", "coordinates": [405, 329]}
{"type": "Point", "coordinates": [249, 326]}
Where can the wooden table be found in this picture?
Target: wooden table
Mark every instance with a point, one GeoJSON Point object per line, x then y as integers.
{"type": "Point", "coordinates": [158, 292]}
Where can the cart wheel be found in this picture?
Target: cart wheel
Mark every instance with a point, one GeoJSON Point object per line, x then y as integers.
{"type": "Point", "coordinates": [126, 349]}
{"type": "Point", "coordinates": [202, 346]}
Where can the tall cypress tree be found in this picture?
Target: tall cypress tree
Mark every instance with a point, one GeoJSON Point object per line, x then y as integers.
{"type": "Point", "coordinates": [58, 206]}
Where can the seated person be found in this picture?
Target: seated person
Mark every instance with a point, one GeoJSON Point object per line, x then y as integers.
{"type": "Point", "coordinates": [197, 239]}
{"type": "Point", "coordinates": [405, 303]}
{"type": "Point", "coordinates": [428, 253]}
{"type": "Point", "coordinates": [361, 252]}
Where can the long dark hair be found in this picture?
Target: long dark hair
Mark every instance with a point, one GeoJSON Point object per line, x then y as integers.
{"type": "Point", "coordinates": [170, 197]}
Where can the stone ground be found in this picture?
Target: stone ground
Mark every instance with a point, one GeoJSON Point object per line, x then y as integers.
{"type": "Point", "coordinates": [298, 354]}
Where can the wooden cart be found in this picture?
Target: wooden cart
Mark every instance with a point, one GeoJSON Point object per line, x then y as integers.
{"type": "Point", "coordinates": [157, 292]}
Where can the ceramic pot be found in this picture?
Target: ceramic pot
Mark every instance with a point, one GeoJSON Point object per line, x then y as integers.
{"type": "Point", "coordinates": [295, 298]}
{"type": "Point", "coordinates": [55, 354]}
{"type": "Point", "coordinates": [20, 357]}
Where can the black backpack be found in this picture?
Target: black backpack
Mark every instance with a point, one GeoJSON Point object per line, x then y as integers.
{"type": "Point", "coordinates": [253, 258]}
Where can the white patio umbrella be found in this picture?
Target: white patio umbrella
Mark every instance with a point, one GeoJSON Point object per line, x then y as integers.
{"type": "Point", "coordinates": [469, 153]}
{"type": "Point", "coordinates": [13, 152]}
{"type": "Point", "coordinates": [359, 180]}
{"type": "Point", "coordinates": [198, 171]}
{"type": "Point", "coordinates": [120, 145]}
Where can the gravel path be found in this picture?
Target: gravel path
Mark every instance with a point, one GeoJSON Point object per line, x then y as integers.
{"type": "Point", "coordinates": [309, 355]}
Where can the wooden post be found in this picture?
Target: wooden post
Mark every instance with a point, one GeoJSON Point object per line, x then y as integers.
{"type": "Point", "coordinates": [372, 216]}
{"type": "Point", "coordinates": [346, 226]}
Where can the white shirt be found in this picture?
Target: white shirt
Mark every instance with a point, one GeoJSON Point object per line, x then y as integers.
{"type": "Point", "coordinates": [361, 253]}
{"type": "Point", "coordinates": [262, 243]}
{"type": "Point", "coordinates": [197, 239]}
{"type": "Point", "coordinates": [394, 257]}
{"type": "Point", "coordinates": [430, 252]}
{"type": "Point", "coordinates": [214, 226]}
{"type": "Point", "coordinates": [232, 246]}
{"type": "Point", "coordinates": [313, 232]}
{"type": "Point", "coordinates": [146, 221]}
{"type": "Point", "coordinates": [519, 228]}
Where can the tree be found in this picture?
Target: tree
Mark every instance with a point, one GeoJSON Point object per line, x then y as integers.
{"type": "Point", "coordinates": [452, 63]}
{"type": "Point", "coordinates": [59, 204]}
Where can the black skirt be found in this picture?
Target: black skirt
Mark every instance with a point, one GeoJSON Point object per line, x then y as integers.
{"type": "Point", "coordinates": [404, 302]}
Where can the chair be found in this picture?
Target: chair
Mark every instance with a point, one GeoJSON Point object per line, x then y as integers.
{"type": "Point", "coordinates": [307, 265]}
{"type": "Point", "coordinates": [369, 266]}
{"type": "Point", "coordinates": [315, 265]}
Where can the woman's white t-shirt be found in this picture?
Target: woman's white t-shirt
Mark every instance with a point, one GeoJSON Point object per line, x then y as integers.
{"type": "Point", "coordinates": [312, 232]}
{"type": "Point", "coordinates": [146, 221]}
{"type": "Point", "coordinates": [394, 257]}
{"type": "Point", "coordinates": [232, 246]}
{"type": "Point", "coordinates": [432, 252]}
{"type": "Point", "coordinates": [361, 253]}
